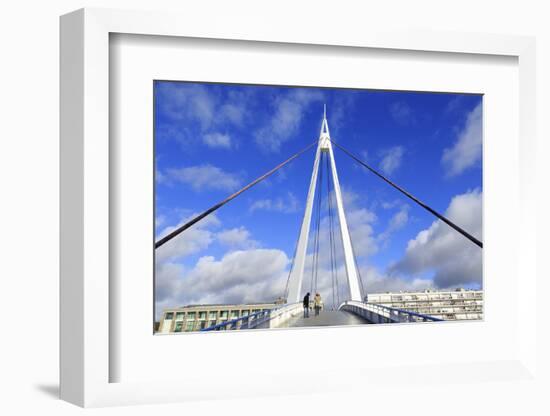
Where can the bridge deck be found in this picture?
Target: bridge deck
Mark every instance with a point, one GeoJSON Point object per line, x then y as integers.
{"type": "Point", "coordinates": [326, 318]}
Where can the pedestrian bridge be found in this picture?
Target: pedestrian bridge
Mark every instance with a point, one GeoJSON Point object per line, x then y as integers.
{"type": "Point", "coordinates": [349, 313]}
{"type": "Point", "coordinates": [353, 310]}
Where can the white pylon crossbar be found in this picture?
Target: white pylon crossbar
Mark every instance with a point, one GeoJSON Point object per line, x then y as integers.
{"type": "Point", "coordinates": [297, 274]}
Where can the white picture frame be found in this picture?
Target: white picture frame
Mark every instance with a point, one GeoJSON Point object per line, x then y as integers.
{"type": "Point", "coordinates": [86, 294]}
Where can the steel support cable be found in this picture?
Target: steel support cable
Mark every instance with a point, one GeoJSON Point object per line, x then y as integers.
{"type": "Point", "coordinates": [329, 203]}
{"type": "Point", "coordinates": [330, 232]}
{"type": "Point", "coordinates": [285, 295]}
{"type": "Point", "coordinates": [410, 196]}
{"type": "Point", "coordinates": [315, 259]}
{"type": "Point", "coordinates": [334, 247]}
{"type": "Point", "coordinates": [363, 294]}
{"type": "Point", "coordinates": [331, 241]}
{"type": "Point", "coordinates": [331, 237]}
{"type": "Point", "coordinates": [319, 225]}
{"type": "Point", "coordinates": [362, 288]}
{"type": "Point", "coordinates": [210, 210]}
{"type": "Point", "coordinates": [315, 208]}
{"type": "Point", "coordinates": [336, 283]}
{"type": "Point", "coordinates": [319, 221]}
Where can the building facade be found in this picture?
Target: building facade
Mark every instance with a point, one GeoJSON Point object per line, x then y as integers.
{"type": "Point", "coordinates": [459, 304]}
{"type": "Point", "coordinates": [196, 317]}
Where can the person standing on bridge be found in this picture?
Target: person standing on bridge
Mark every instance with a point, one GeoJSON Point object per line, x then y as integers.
{"type": "Point", "coordinates": [317, 303]}
{"type": "Point", "coordinates": [306, 305]}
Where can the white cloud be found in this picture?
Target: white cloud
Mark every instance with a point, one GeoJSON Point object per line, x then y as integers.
{"type": "Point", "coordinates": [233, 112]}
{"type": "Point", "coordinates": [243, 276]}
{"type": "Point", "coordinates": [289, 111]}
{"type": "Point", "coordinates": [402, 113]}
{"type": "Point", "coordinates": [287, 205]}
{"type": "Point", "coordinates": [238, 237]}
{"type": "Point", "coordinates": [167, 280]}
{"type": "Point", "coordinates": [339, 111]}
{"type": "Point", "coordinates": [160, 220]}
{"type": "Point", "coordinates": [205, 177]}
{"type": "Point", "coordinates": [188, 102]}
{"type": "Point", "coordinates": [160, 178]}
{"type": "Point", "coordinates": [376, 282]}
{"type": "Point", "coordinates": [360, 224]}
{"type": "Point", "coordinates": [187, 106]}
{"type": "Point", "coordinates": [397, 222]}
{"type": "Point", "coordinates": [193, 240]}
{"type": "Point", "coordinates": [391, 159]}
{"type": "Point", "coordinates": [453, 259]}
{"type": "Point", "coordinates": [217, 140]}
{"type": "Point", "coordinates": [454, 104]}
{"type": "Point", "coordinates": [400, 219]}
{"type": "Point", "coordinates": [466, 152]}
{"type": "Point", "coordinates": [390, 204]}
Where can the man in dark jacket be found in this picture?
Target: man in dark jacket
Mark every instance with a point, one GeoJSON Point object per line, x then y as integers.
{"type": "Point", "coordinates": [306, 305]}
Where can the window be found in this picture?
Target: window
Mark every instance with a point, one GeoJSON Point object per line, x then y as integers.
{"type": "Point", "coordinates": [191, 316]}
{"type": "Point", "coordinates": [169, 315]}
{"type": "Point", "coordinates": [189, 326]}
{"type": "Point", "coordinates": [245, 312]}
{"type": "Point", "coordinates": [202, 316]}
{"type": "Point", "coordinates": [179, 326]}
{"type": "Point", "coordinates": [179, 316]}
{"type": "Point", "coordinates": [224, 314]}
{"type": "Point", "coordinates": [234, 314]}
{"type": "Point", "coordinates": [213, 315]}
{"type": "Point", "coordinates": [212, 323]}
{"type": "Point", "coordinates": [203, 324]}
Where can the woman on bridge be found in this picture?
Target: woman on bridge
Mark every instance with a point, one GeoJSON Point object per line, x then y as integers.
{"type": "Point", "coordinates": [317, 303]}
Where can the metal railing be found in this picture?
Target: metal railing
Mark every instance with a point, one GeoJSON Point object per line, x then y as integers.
{"type": "Point", "coordinates": [255, 319]}
{"type": "Point", "coordinates": [376, 313]}
{"type": "Point", "coordinates": [244, 322]}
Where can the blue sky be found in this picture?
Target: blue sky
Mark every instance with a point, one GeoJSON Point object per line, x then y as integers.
{"type": "Point", "coordinates": [212, 139]}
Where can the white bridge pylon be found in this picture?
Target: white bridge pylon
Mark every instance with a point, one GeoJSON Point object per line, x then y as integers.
{"type": "Point", "coordinates": [297, 273]}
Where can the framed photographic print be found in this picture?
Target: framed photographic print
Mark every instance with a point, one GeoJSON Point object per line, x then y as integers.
{"type": "Point", "coordinates": [367, 257]}
{"type": "Point", "coordinates": [236, 206]}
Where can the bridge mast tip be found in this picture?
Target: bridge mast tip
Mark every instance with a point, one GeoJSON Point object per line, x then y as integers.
{"type": "Point", "coordinates": [325, 111]}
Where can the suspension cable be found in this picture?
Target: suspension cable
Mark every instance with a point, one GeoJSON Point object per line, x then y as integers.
{"type": "Point", "coordinates": [319, 228]}
{"type": "Point", "coordinates": [334, 278]}
{"type": "Point", "coordinates": [285, 295]}
{"type": "Point", "coordinates": [210, 210]}
{"type": "Point", "coordinates": [407, 194]}
{"type": "Point", "coordinates": [362, 288]}
{"type": "Point", "coordinates": [336, 281]}
{"type": "Point", "coordinates": [315, 259]}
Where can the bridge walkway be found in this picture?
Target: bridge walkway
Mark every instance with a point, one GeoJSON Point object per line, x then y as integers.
{"type": "Point", "coordinates": [325, 318]}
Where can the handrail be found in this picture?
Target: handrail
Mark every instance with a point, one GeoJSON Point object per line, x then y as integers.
{"type": "Point", "coordinates": [394, 314]}
{"type": "Point", "coordinates": [419, 315]}
{"type": "Point", "coordinates": [233, 322]}
{"type": "Point", "coordinates": [255, 319]}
